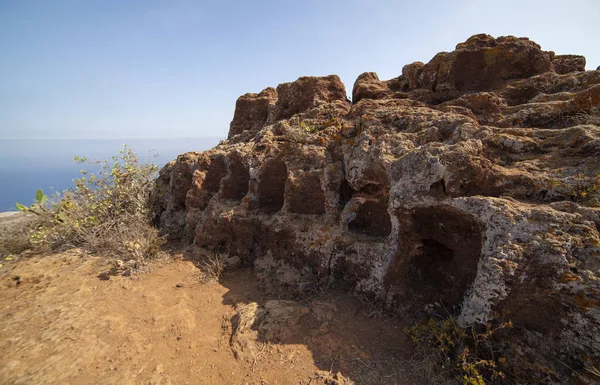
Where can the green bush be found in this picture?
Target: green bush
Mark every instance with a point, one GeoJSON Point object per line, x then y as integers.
{"type": "Point", "coordinates": [106, 212]}
{"type": "Point", "coordinates": [468, 356]}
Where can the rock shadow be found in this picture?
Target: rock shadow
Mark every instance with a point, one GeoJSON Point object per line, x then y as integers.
{"type": "Point", "coordinates": [437, 258]}
{"type": "Point", "coordinates": [347, 343]}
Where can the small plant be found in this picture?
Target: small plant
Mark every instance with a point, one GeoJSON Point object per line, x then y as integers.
{"type": "Point", "coordinates": [362, 123]}
{"type": "Point", "coordinates": [592, 116]}
{"type": "Point", "coordinates": [106, 212]}
{"type": "Point", "coordinates": [36, 208]}
{"type": "Point", "coordinates": [16, 232]}
{"type": "Point", "coordinates": [299, 131]}
{"type": "Point", "coordinates": [577, 188]}
{"type": "Point", "coordinates": [213, 267]}
{"type": "Point", "coordinates": [310, 283]}
{"type": "Point", "coordinates": [471, 357]}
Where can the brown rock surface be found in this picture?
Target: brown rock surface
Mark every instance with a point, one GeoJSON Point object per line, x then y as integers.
{"type": "Point", "coordinates": [252, 111]}
{"type": "Point", "coordinates": [563, 64]}
{"type": "Point", "coordinates": [369, 86]}
{"type": "Point", "coordinates": [469, 180]}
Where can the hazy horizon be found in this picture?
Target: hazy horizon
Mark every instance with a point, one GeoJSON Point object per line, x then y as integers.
{"type": "Point", "coordinates": [30, 164]}
{"type": "Point", "coordinates": [117, 138]}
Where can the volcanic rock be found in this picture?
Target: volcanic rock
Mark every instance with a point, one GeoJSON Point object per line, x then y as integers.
{"type": "Point", "coordinates": [471, 180]}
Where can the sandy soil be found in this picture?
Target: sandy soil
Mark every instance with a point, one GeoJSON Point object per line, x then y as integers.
{"type": "Point", "coordinates": [61, 324]}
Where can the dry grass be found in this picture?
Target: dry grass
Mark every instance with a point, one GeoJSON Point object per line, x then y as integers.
{"type": "Point", "coordinates": [445, 351]}
{"type": "Point", "coordinates": [426, 363]}
{"type": "Point", "coordinates": [212, 267]}
{"type": "Point", "coordinates": [592, 116]}
{"type": "Point", "coordinates": [310, 283]}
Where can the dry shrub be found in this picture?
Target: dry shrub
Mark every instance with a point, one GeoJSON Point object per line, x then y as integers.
{"type": "Point", "coordinates": [212, 267]}
{"type": "Point", "coordinates": [495, 353]}
{"type": "Point", "coordinates": [310, 283]}
{"type": "Point", "coordinates": [591, 116]}
{"type": "Point", "coordinates": [447, 352]}
{"type": "Point", "coordinates": [107, 212]}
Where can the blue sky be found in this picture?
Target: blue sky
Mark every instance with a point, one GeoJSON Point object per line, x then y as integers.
{"type": "Point", "coordinates": [134, 69]}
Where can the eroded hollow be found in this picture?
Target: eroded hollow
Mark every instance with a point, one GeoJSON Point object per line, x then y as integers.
{"type": "Point", "coordinates": [438, 255]}
{"type": "Point", "coordinates": [235, 185]}
{"type": "Point", "coordinates": [346, 192]}
{"type": "Point", "coordinates": [306, 195]}
{"type": "Point", "coordinates": [371, 219]}
{"type": "Point", "coordinates": [271, 186]}
{"type": "Point", "coordinates": [216, 171]}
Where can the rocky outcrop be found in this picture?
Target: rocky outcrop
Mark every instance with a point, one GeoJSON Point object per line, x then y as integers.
{"type": "Point", "coordinates": [252, 111]}
{"type": "Point", "coordinates": [563, 64]}
{"type": "Point", "coordinates": [469, 181]}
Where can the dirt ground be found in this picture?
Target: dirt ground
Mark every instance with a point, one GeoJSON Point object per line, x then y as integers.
{"type": "Point", "coordinates": [62, 324]}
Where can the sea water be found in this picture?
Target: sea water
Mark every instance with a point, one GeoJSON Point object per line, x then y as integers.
{"type": "Point", "coordinates": [27, 165]}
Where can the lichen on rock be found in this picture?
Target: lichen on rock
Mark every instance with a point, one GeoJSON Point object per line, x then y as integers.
{"type": "Point", "coordinates": [461, 181]}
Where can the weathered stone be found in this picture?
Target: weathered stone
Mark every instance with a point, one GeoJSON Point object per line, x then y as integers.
{"type": "Point", "coordinates": [412, 73]}
{"type": "Point", "coordinates": [469, 181]}
{"type": "Point", "coordinates": [368, 86]}
{"type": "Point", "coordinates": [305, 194]}
{"type": "Point", "coordinates": [271, 186]}
{"type": "Point", "coordinates": [235, 185]}
{"type": "Point", "coordinates": [370, 218]}
{"type": "Point", "coordinates": [486, 106]}
{"type": "Point", "coordinates": [306, 93]}
{"type": "Point", "coordinates": [563, 64]}
{"type": "Point", "coordinates": [252, 111]}
{"type": "Point", "coordinates": [485, 63]}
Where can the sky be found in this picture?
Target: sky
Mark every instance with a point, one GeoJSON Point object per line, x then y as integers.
{"type": "Point", "coordinates": [157, 69]}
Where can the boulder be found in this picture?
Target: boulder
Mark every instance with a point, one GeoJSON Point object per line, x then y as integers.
{"type": "Point", "coordinates": [483, 63]}
{"type": "Point", "coordinates": [306, 93]}
{"type": "Point", "coordinates": [252, 111]}
{"type": "Point", "coordinates": [369, 86]}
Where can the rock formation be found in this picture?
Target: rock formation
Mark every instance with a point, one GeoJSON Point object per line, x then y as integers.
{"type": "Point", "coordinates": [469, 181]}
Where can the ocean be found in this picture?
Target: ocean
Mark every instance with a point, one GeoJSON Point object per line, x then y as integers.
{"type": "Point", "coordinates": [27, 165]}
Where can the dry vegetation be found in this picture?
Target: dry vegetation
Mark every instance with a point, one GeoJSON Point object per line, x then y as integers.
{"type": "Point", "coordinates": [591, 116]}
{"type": "Point", "coordinates": [212, 267]}
{"type": "Point", "coordinates": [447, 352]}
{"type": "Point", "coordinates": [107, 212]}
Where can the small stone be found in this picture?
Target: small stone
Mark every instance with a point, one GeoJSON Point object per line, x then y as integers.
{"type": "Point", "coordinates": [233, 262]}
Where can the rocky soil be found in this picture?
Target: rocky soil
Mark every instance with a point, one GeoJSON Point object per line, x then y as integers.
{"type": "Point", "coordinates": [63, 322]}
{"type": "Point", "coordinates": [467, 184]}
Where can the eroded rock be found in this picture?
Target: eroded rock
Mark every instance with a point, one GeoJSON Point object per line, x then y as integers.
{"type": "Point", "coordinates": [252, 111]}
{"type": "Point", "coordinates": [468, 181]}
{"type": "Point", "coordinates": [563, 64]}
